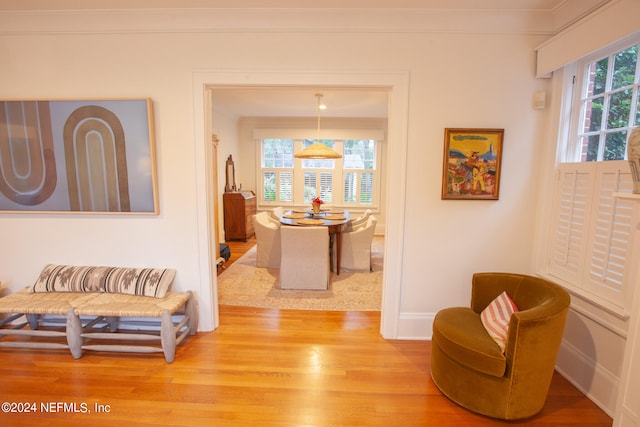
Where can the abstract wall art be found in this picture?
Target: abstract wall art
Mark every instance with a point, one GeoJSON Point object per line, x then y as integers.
{"type": "Point", "coordinates": [77, 156]}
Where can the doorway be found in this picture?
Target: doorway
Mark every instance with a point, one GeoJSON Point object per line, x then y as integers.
{"type": "Point", "coordinates": [397, 86]}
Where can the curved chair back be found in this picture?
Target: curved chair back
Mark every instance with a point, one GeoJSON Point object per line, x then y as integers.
{"type": "Point", "coordinates": [356, 246]}
{"type": "Point", "coordinates": [470, 369]}
{"type": "Point", "coordinates": [276, 213]}
{"type": "Point", "coordinates": [304, 260]}
{"type": "Point", "coordinates": [267, 241]}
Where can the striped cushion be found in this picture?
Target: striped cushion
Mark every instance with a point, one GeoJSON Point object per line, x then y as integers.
{"type": "Point", "coordinates": [496, 316]}
{"type": "Point", "coordinates": [153, 282]}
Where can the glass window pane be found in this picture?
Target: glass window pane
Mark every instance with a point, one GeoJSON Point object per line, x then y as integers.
{"type": "Point", "coordinates": [593, 143]}
{"type": "Point", "coordinates": [269, 186]}
{"type": "Point", "coordinates": [318, 163]}
{"type": "Point", "coordinates": [593, 115]}
{"type": "Point", "coordinates": [615, 146]}
{"type": "Point", "coordinates": [637, 122]}
{"type": "Point", "coordinates": [277, 153]}
{"type": "Point", "coordinates": [359, 154]}
{"type": "Point", "coordinates": [624, 68]}
{"type": "Point", "coordinates": [597, 77]}
{"type": "Point", "coordinates": [619, 109]}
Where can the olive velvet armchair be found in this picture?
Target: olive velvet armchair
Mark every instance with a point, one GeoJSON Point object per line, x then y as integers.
{"type": "Point", "coordinates": [469, 367]}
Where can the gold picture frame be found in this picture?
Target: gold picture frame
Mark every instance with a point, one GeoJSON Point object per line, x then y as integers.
{"type": "Point", "coordinates": [472, 164]}
{"type": "Point", "coordinates": [78, 156]}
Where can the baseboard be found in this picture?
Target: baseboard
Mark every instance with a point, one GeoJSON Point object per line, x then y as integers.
{"type": "Point", "coordinates": [415, 326]}
{"type": "Point", "coordinates": [597, 383]}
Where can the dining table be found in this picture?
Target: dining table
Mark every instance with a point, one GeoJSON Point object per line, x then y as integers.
{"type": "Point", "coordinates": [334, 219]}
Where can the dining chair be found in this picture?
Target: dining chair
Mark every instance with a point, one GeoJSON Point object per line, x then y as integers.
{"type": "Point", "coordinates": [304, 258]}
{"type": "Point", "coordinates": [267, 241]}
{"type": "Point", "coordinates": [358, 221]}
{"type": "Point", "coordinates": [356, 246]}
{"type": "Point", "coordinates": [276, 213]}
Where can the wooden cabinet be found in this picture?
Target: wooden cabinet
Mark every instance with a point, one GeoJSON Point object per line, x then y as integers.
{"type": "Point", "coordinates": [238, 210]}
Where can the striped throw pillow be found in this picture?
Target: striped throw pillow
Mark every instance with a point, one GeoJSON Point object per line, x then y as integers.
{"type": "Point", "coordinates": [152, 282]}
{"type": "Point", "coordinates": [496, 316]}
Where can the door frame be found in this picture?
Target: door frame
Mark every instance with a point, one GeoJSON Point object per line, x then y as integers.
{"type": "Point", "coordinates": [397, 83]}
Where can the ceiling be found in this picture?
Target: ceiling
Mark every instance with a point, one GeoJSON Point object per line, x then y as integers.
{"type": "Point", "coordinates": [301, 102]}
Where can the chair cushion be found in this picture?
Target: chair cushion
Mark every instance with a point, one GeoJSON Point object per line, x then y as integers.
{"type": "Point", "coordinates": [459, 333]}
{"type": "Point", "coordinates": [496, 316]}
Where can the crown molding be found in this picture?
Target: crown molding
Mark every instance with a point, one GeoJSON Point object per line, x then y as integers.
{"type": "Point", "coordinates": [276, 21]}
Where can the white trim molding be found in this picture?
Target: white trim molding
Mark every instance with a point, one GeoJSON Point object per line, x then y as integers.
{"type": "Point", "coordinates": [397, 83]}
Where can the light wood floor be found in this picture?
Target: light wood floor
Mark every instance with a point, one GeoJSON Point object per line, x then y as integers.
{"type": "Point", "coordinates": [261, 367]}
{"type": "Point", "coordinates": [238, 248]}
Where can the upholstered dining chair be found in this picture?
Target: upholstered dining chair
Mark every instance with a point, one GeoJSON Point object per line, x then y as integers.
{"type": "Point", "coordinates": [276, 213]}
{"type": "Point", "coordinates": [469, 366]}
{"type": "Point", "coordinates": [304, 257]}
{"type": "Point", "coordinates": [267, 241]}
{"type": "Point", "coordinates": [356, 246]}
{"type": "Point", "coordinates": [358, 221]}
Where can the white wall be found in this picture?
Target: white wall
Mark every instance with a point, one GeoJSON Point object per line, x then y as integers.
{"type": "Point", "coordinates": [457, 80]}
{"type": "Point", "coordinates": [225, 126]}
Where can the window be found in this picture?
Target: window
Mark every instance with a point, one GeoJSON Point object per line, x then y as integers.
{"type": "Point", "coordinates": [319, 175]}
{"type": "Point", "coordinates": [277, 170]}
{"type": "Point", "coordinates": [359, 168]}
{"type": "Point", "coordinates": [351, 181]}
{"type": "Point", "coordinates": [608, 103]}
{"type": "Point", "coordinates": [591, 230]}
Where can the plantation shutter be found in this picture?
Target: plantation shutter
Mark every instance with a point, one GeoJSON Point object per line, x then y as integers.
{"type": "Point", "coordinates": [591, 231]}
{"type": "Point", "coordinates": [568, 243]}
{"type": "Point", "coordinates": [286, 186]}
{"type": "Point", "coordinates": [612, 233]}
{"type": "Point", "coordinates": [326, 186]}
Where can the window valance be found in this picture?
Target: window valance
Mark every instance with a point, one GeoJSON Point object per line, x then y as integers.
{"type": "Point", "coordinates": [375, 134]}
{"type": "Point", "coordinates": [619, 18]}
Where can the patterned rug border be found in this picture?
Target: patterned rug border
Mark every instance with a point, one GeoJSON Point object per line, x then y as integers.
{"type": "Point", "coordinates": [243, 284]}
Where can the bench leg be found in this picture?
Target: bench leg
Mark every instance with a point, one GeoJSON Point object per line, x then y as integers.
{"type": "Point", "coordinates": [34, 320]}
{"type": "Point", "coordinates": [74, 334]}
{"type": "Point", "coordinates": [192, 312]}
{"type": "Point", "coordinates": [168, 336]}
{"type": "Point", "coordinates": [113, 323]}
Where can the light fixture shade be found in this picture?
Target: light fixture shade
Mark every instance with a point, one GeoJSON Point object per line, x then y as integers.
{"type": "Point", "coordinates": [318, 150]}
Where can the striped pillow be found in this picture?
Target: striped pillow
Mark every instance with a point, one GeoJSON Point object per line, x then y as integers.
{"type": "Point", "coordinates": [153, 282]}
{"type": "Point", "coordinates": [496, 316]}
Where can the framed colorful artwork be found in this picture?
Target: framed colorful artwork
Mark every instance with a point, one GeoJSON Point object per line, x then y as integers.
{"type": "Point", "coordinates": [77, 156]}
{"type": "Point", "coordinates": [472, 163]}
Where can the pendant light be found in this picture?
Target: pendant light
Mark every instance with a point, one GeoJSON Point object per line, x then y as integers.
{"type": "Point", "coordinates": [318, 150]}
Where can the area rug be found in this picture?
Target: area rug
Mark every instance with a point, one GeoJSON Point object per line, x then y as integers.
{"type": "Point", "coordinates": [244, 284]}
